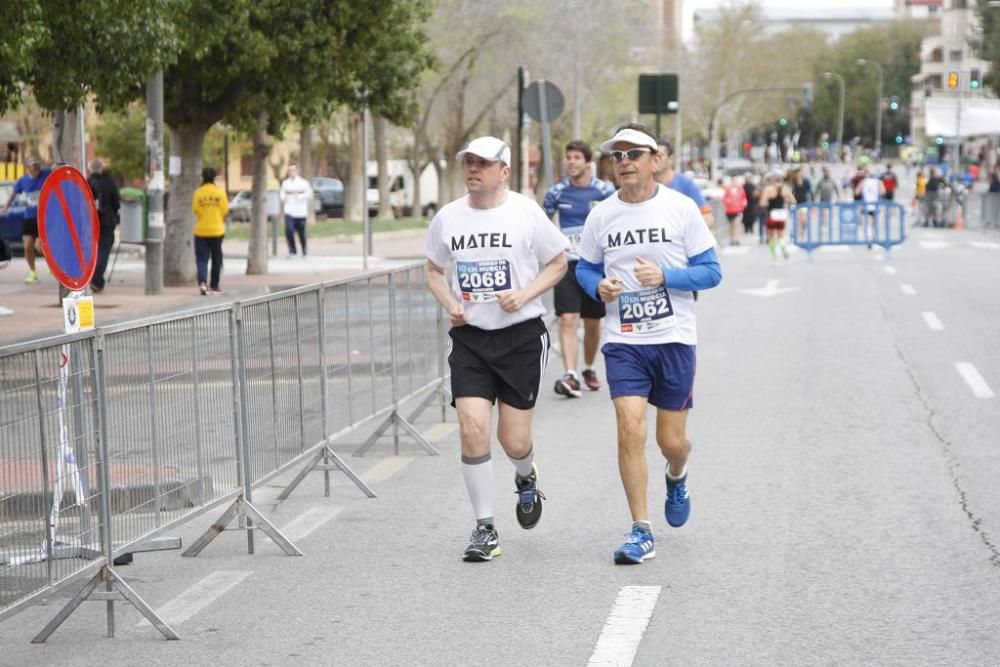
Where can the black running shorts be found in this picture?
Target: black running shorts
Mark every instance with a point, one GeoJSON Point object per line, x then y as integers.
{"type": "Point", "coordinates": [505, 364]}
{"type": "Point", "coordinates": [29, 227]}
{"type": "Point", "coordinates": [570, 297]}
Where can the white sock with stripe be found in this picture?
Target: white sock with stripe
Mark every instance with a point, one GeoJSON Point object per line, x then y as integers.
{"type": "Point", "coordinates": [478, 475]}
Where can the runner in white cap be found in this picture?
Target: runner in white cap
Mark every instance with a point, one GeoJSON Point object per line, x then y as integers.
{"type": "Point", "coordinates": [498, 240]}
{"type": "Point", "coordinates": [644, 252]}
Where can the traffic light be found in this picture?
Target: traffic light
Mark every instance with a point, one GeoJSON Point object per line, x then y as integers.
{"type": "Point", "coordinates": [953, 80]}
{"type": "Point", "coordinates": [939, 141]}
{"type": "Point", "coordinates": [975, 79]}
{"type": "Point", "coordinates": [893, 104]}
{"type": "Point", "coordinates": [783, 122]}
{"type": "Point", "coordinates": [899, 138]}
{"type": "Point", "coordinates": [807, 95]}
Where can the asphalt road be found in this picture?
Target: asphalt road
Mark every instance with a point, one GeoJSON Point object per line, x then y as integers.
{"type": "Point", "coordinates": [845, 508]}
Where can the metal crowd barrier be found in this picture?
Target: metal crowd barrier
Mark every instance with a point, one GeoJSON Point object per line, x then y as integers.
{"type": "Point", "coordinates": [817, 224]}
{"type": "Point", "coordinates": [110, 438]}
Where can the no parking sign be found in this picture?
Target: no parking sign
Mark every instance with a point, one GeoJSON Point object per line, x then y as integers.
{"type": "Point", "coordinates": [68, 227]}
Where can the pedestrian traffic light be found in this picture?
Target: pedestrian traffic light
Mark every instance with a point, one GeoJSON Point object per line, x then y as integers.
{"type": "Point", "coordinates": [953, 80]}
{"type": "Point", "coordinates": [975, 79]}
{"type": "Point", "coordinates": [783, 122]}
{"type": "Point", "coordinates": [893, 103]}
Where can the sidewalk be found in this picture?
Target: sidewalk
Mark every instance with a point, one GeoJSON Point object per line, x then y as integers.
{"type": "Point", "coordinates": [36, 308]}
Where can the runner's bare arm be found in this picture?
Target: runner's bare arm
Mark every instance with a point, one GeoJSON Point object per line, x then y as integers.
{"type": "Point", "coordinates": [512, 300]}
{"type": "Point", "coordinates": [437, 283]}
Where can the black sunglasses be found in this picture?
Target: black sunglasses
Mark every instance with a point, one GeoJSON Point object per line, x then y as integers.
{"type": "Point", "coordinates": [632, 154]}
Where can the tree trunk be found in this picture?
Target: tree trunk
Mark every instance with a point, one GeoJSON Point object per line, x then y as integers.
{"type": "Point", "coordinates": [257, 251]}
{"type": "Point", "coordinates": [444, 191]}
{"type": "Point", "coordinates": [357, 183]}
{"type": "Point", "coordinates": [306, 168]}
{"type": "Point", "coordinates": [418, 204]}
{"type": "Point", "coordinates": [178, 239]}
{"type": "Point", "coordinates": [385, 211]}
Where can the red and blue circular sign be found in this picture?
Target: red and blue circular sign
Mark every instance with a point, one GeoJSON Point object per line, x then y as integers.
{"type": "Point", "coordinates": [68, 227]}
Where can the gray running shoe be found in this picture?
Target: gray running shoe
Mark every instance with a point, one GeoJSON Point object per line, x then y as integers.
{"type": "Point", "coordinates": [483, 545]}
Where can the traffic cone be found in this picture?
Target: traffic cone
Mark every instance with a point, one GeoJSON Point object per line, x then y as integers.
{"type": "Point", "coordinates": [959, 220]}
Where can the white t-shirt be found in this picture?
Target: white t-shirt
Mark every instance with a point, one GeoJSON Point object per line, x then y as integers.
{"type": "Point", "coordinates": [494, 250]}
{"type": "Point", "coordinates": [870, 191]}
{"type": "Point", "coordinates": [665, 229]}
{"type": "Point", "coordinates": [296, 195]}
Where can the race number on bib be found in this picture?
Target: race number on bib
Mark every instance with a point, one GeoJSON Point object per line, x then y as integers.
{"type": "Point", "coordinates": [645, 310]}
{"type": "Point", "coordinates": [574, 234]}
{"type": "Point", "coordinates": [481, 280]}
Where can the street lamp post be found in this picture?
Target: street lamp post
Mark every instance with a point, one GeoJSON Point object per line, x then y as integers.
{"type": "Point", "coordinates": [840, 110]}
{"type": "Point", "coordinates": [878, 104]}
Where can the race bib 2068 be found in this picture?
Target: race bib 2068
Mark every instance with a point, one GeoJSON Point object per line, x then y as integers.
{"type": "Point", "coordinates": [482, 279]}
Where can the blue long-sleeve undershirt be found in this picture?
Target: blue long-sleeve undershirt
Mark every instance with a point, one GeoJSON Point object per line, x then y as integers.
{"type": "Point", "coordinates": [703, 272]}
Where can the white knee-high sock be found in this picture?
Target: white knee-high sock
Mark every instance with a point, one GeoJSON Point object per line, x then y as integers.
{"type": "Point", "coordinates": [524, 465]}
{"type": "Point", "coordinates": [478, 475]}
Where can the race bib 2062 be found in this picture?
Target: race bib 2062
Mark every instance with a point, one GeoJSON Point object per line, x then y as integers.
{"type": "Point", "coordinates": [645, 310]}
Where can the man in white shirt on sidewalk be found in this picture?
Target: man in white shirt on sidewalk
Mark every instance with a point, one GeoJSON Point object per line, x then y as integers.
{"type": "Point", "coordinates": [296, 197]}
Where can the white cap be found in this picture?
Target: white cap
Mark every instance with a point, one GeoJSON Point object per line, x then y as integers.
{"type": "Point", "coordinates": [488, 148]}
{"type": "Point", "coordinates": [629, 136]}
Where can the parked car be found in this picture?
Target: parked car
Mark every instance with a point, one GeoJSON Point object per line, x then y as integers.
{"type": "Point", "coordinates": [329, 194]}
{"type": "Point", "coordinates": [239, 205]}
{"type": "Point", "coordinates": [10, 222]}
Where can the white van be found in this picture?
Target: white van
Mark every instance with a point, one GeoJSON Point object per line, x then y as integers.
{"type": "Point", "coordinates": [401, 189]}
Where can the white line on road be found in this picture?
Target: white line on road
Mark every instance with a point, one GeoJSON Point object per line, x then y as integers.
{"type": "Point", "coordinates": [985, 245]}
{"type": "Point", "coordinates": [975, 381]}
{"type": "Point", "coordinates": [199, 596]}
{"type": "Point", "coordinates": [933, 323]}
{"type": "Point", "coordinates": [934, 245]}
{"type": "Point", "coordinates": [625, 626]}
{"type": "Point", "coordinates": [304, 524]}
{"type": "Point", "coordinates": [907, 289]}
{"type": "Point", "coordinates": [891, 270]}
{"type": "Point", "coordinates": [386, 469]}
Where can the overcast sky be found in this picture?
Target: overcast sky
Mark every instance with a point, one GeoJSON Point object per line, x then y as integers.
{"type": "Point", "coordinates": [691, 5]}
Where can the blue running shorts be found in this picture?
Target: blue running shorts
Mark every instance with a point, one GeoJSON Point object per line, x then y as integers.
{"type": "Point", "coordinates": [663, 374]}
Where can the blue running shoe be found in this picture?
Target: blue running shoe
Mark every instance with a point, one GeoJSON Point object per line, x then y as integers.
{"type": "Point", "coordinates": [678, 504]}
{"type": "Point", "coordinates": [637, 548]}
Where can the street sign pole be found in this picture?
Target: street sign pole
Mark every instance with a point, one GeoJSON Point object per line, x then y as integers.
{"type": "Point", "coordinates": [546, 138]}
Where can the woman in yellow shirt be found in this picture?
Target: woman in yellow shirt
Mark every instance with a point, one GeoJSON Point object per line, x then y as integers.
{"type": "Point", "coordinates": [210, 207]}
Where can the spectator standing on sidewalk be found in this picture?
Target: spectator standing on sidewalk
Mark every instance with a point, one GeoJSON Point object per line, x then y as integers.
{"type": "Point", "coordinates": [572, 199]}
{"type": "Point", "coordinates": [210, 207]}
{"type": "Point", "coordinates": [108, 204]}
{"type": "Point", "coordinates": [27, 190]}
{"type": "Point", "coordinates": [889, 182]}
{"type": "Point", "coordinates": [644, 252]}
{"type": "Point", "coordinates": [750, 213]}
{"type": "Point", "coordinates": [296, 197]}
{"type": "Point", "coordinates": [496, 240]}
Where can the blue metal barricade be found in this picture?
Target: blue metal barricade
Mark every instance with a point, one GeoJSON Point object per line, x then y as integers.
{"type": "Point", "coordinates": [817, 224]}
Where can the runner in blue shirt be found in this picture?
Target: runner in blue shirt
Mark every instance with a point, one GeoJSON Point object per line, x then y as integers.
{"type": "Point", "coordinates": [673, 179]}
{"type": "Point", "coordinates": [573, 198]}
{"type": "Point", "coordinates": [27, 190]}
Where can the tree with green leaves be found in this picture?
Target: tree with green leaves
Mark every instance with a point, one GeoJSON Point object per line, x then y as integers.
{"type": "Point", "coordinates": [987, 42]}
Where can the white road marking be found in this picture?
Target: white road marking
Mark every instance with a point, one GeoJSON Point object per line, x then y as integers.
{"type": "Point", "coordinates": [198, 596]}
{"type": "Point", "coordinates": [438, 431]}
{"type": "Point", "coordinates": [736, 250]}
{"type": "Point", "coordinates": [907, 289]}
{"type": "Point", "coordinates": [890, 270]}
{"type": "Point", "coordinates": [934, 245]}
{"type": "Point", "coordinates": [975, 381]}
{"type": "Point", "coordinates": [304, 524]}
{"type": "Point", "coordinates": [383, 470]}
{"type": "Point", "coordinates": [770, 289]}
{"type": "Point", "coordinates": [933, 323]}
{"type": "Point", "coordinates": [985, 245]}
{"type": "Point", "coordinates": [625, 626]}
